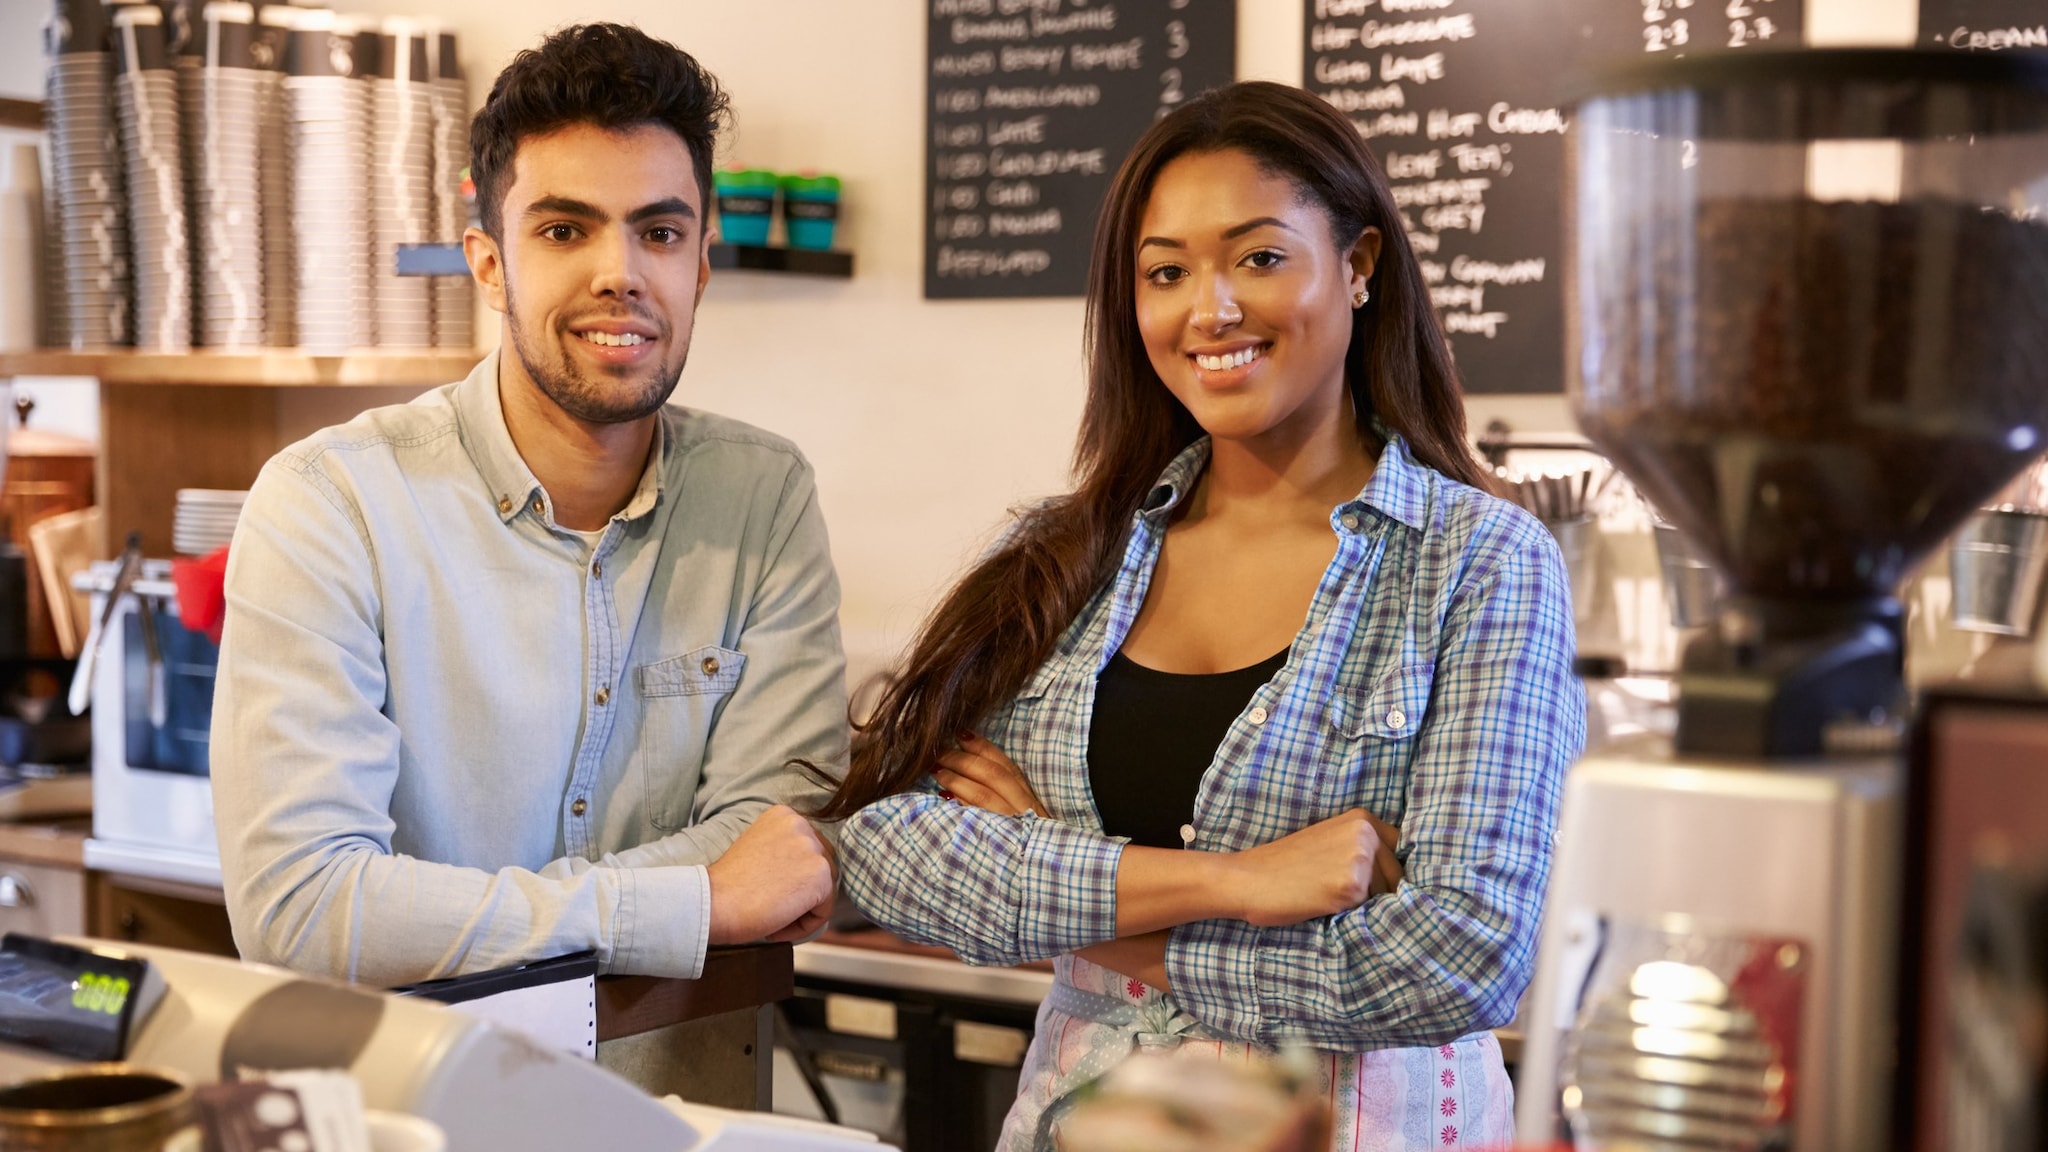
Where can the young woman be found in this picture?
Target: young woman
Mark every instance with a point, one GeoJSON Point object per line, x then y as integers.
{"type": "Point", "coordinates": [1166, 731]}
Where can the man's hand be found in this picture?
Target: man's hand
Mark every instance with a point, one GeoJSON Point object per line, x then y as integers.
{"type": "Point", "coordinates": [774, 883]}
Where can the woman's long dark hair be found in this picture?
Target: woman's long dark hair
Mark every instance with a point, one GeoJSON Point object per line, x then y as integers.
{"type": "Point", "coordinates": [1001, 621]}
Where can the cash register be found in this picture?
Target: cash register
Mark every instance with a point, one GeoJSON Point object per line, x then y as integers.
{"type": "Point", "coordinates": [205, 1018]}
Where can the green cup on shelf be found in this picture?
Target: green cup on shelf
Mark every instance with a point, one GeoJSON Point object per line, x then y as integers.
{"type": "Point", "coordinates": [746, 204]}
{"type": "Point", "coordinates": [810, 210]}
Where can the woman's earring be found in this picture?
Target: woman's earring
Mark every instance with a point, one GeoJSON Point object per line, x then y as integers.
{"type": "Point", "coordinates": [1364, 294]}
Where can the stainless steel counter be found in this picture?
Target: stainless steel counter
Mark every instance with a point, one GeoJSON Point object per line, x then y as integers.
{"type": "Point", "coordinates": [920, 973]}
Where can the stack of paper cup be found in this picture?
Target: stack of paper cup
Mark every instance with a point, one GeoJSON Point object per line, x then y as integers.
{"type": "Point", "coordinates": [454, 304]}
{"type": "Point", "coordinates": [227, 157]}
{"type": "Point", "coordinates": [402, 180]}
{"type": "Point", "coordinates": [90, 210]}
{"type": "Point", "coordinates": [146, 101]}
{"type": "Point", "coordinates": [328, 105]}
{"type": "Point", "coordinates": [274, 139]}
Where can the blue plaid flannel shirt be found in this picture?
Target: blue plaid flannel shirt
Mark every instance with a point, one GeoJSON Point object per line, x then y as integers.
{"type": "Point", "coordinates": [1432, 685]}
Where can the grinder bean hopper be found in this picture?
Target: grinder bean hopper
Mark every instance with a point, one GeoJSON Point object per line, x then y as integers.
{"type": "Point", "coordinates": [1808, 301]}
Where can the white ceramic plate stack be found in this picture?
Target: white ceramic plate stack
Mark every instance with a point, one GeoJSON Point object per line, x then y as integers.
{"type": "Point", "coordinates": [329, 109]}
{"type": "Point", "coordinates": [146, 102]}
{"type": "Point", "coordinates": [274, 136]}
{"type": "Point", "coordinates": [402, 179]}
{"type": "Point", "coordinates": [86, 165]}
{"type": "Point", "coordinates": [226, 154]}
{"type": "Point", "coordinates": [454, 306]}
{"type": "Point", "coordinates": [204, 520]}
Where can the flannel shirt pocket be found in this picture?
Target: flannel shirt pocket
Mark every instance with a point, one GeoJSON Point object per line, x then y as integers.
{"type": "Point", "coordinates": [1392, 710]}
{"type": "Point", "coordinates": [706, 671]}
{"type": "Point", "coordinates": [680, 699]}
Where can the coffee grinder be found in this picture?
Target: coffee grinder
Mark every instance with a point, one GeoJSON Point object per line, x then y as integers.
{"type": "Point", "coordinates": [1808, 301]}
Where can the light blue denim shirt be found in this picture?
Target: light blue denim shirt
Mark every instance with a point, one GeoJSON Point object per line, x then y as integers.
{"type": "Point", "coordinates": [450, 735]}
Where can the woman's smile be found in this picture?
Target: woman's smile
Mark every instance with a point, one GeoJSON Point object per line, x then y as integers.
{"type": "Point", "coordinates": [1227, 366]}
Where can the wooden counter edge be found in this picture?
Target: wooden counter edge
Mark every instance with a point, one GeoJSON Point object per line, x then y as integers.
{"type": "Point", "coordinates": [60, 842]}
{"type": "Point", "coordinates": [733, 979]}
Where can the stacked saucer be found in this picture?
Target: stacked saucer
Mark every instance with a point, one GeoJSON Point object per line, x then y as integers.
{"type": "Point", "coordinates": [85, 155]}
{"type": "Point", "coordinates": [328, 108]}
{"type": "Point", "coordinates": [204, 520]}
{"type": "Point", "coordinates": [454, 307]}
{"type": "Point", "coordinates": [226, 114]}
{"type": "Point", "coordinates": [146, 102]}
{"type": "Point", "coordinates": [402, 176]}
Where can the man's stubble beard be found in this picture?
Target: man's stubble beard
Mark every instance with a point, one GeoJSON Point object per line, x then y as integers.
{"type": "Point", "coordinates": [594, 401]}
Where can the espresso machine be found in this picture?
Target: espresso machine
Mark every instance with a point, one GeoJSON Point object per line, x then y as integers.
{"type": "Point", "coordinates": [1808, 318]}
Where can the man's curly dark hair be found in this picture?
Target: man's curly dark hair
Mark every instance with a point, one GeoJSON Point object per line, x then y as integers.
{"type": "Point", "coordinates": [609, 75]}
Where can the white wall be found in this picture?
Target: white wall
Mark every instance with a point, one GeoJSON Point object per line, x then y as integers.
{"type": "Point", "coordinates": [925, 419]}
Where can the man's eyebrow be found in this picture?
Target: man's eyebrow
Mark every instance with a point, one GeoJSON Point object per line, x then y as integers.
{"type": "Point", "coordinates": [673, 206]}
{"type": "Point", "coordinates": [564, 206]}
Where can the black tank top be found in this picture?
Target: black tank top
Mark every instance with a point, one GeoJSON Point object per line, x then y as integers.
{"type": "Point", "coordinates": [1153, 737]}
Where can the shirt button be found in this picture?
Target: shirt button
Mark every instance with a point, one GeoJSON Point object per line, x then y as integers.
{"type": "Point", "coordinates": [1187, 835]}
{"type": "Point", "coordinates": [1397, 720]}
{"type": "Point", "coordinates": [597, 568]}
{"type": "Point", "coordinates": [504, 503]}
{"type": "Point", "coordinates": [604, 696]}
{"type": "Point", "coordinates": [538, 507]}
{"type": "Point", "coordinates": [710, 665]}
{"type": "Point", "coordinates": [1349, 521]}
{"type": "Point", "coordinates": [579, 807]}
{"type": "Point", "coordinates": [1258, 715]}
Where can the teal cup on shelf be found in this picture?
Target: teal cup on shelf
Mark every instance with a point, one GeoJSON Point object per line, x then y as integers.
{"type": "Point", "coordinates": [746, 204]}
{"type": "Point", "coordinates": [810, 210]}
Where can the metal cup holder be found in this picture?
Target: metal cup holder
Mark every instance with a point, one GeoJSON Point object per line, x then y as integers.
{"type": "Point", "coordinates": [1995, 565]}
{"type": "Point", "coordinates": [1691, 585]}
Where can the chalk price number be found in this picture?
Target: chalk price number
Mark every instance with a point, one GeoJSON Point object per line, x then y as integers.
{"type": "Point", "coordinates": [95, 992]}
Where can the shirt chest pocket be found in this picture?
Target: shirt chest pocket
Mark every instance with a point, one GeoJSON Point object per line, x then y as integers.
{"type": "Point", "coordinates": [1374, 740]}
{"type": "Point", "coordinates": [680, 699]}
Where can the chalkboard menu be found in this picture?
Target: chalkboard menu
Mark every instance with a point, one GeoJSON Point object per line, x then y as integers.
{"type": "Point", "coordinates": [1984, 25]}
{"type": "Point", "coordinates": [1461, 100]}
{"type": "Point", "coordinates": [1033, 105]}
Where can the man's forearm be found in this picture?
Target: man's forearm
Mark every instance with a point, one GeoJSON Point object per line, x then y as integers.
{"type": "Point", "coordinates": [369, 917]}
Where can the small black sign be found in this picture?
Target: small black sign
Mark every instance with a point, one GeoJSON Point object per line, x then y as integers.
{"type": "Point", "coordinates": [1031, 106]}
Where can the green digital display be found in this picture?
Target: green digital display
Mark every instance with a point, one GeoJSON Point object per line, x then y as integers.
{"type": "Point", "coordinates": [99, 992]}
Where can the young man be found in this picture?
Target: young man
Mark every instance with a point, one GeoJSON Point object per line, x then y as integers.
{"type": "Point", "coordinates": [519, 669]}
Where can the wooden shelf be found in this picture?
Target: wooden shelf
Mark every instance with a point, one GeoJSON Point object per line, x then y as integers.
{"type": "Point", "coordinates": [795, 261]}
{"type": "Point", "coordinates": [282, 368]}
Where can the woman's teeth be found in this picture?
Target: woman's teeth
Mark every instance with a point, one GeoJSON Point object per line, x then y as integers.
{"type": "Point", "coordinates": [1234, 360]}
{"type": "Point", "coordinates": [608, 340]}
